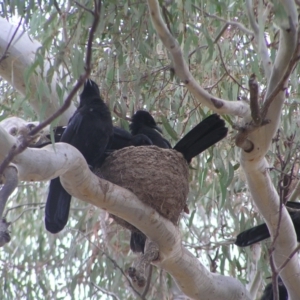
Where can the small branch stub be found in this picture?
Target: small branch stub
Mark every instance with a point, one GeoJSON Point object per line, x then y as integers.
{"type": "Point", "coordinates": [241, 139]}
{"type": "Point", "coordinates": [254, 106]}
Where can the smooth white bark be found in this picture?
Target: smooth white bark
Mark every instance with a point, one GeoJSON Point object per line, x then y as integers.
{"type": "Point", "coordinates": [256, 167]}
{"type": "Point", "coordinates": [20, 56]}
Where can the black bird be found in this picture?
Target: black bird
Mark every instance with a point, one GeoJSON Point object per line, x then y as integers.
{"type": "Point", "coordinates": [90, 130]}
{"type": "Point", "coordinates": [208, 132]}
{"type": "Point", "coordinates": [261, 232]}
{"type": "Point", "coordinates": [122, 138]}
{"type": "Point", "coordinates": [143, 123]}
{"type": "Point", "coordinates": [268, 291]}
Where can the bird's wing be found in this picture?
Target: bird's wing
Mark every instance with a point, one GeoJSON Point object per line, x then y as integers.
{"type": "Point", "coordinates": [73, 127]}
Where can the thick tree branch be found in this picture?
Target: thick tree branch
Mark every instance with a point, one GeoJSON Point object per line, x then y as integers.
{"type": "Point", "coordinates": [66, 161]}
{"type": "Point", "coordinates": [256, 167]}
{"type": "Point", "coordinates": [237, 108]}
{"type": "Point", "coordinates": [267, 201]}
{"type": "Point", "coordinates": [254, 164]}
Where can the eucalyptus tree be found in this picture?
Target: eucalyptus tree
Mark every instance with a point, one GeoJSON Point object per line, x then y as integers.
{"type": "Point", "coordinates": [181, 60]}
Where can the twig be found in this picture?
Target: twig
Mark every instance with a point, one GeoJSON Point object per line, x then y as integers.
{"type": "Point", "coordinates": [57, 7]}
{"type": "Point", "coordinates": [221, 33]}
{"type": "Point", "coordinates": [25, 210]}
{"type": "Point", "coordinates": [111, 294]}
{"type": "Point", "coordinates": [289, 258]}
{"type": "Point", "coordinates": [227, 72]}
{"type": "Point", "coordinates": [148, 281]}
{"type": "Point", "coordinates": [274, 278]}
{"type": "Point", "coordinates": [21, 205]}
{"type": "Point", "coordinates": [5, 53]}
{"type": "Point", "coordinates": [111, 260]}
{"type": "Point", "coordinates": [276, 272]}
{"type": "Point", "coordinates": [231, 23]}
{"type": "Point", "coordinates": [84, 7]}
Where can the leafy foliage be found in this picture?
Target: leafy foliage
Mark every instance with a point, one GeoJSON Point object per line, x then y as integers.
{"type": "Point", "coordinates": [134, 71]}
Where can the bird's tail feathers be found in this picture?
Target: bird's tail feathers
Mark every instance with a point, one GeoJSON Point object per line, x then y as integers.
{"type": "Point", "coordinates": [293, 204]}
{"type": "Point", "coordinates": [208, 132]}
{"type": "Point", "coordinates": [57, 207]}
{"type": "Point", "coordinates": [137, 241]}
{"type": "Point", "coordinates": [252, 236]}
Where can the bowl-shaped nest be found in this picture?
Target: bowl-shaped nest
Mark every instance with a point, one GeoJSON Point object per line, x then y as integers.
{"type": "Point", "coordinates": [158, 177]}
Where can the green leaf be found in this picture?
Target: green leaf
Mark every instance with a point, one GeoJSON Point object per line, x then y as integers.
{"type": "Point", "coordinates": [169, 128]}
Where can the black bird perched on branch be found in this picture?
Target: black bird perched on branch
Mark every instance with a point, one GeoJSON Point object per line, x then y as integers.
{"type": "Point", "coordinates": [121, 138]}
{"type": "Point", "coordinates": [90, 130]}
{"type": "Point", "coordinates": [268, 291]}
{"type": "Point", "coordinates": [143, 123]}
{"type": "Point", "coordinates": [208, 132]}
{"type": "Point", "coordinates": [261, 232]}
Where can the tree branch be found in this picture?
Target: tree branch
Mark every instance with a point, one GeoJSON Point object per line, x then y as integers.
{"type": "Point", "coordinates": [232, 23]}
{"type": "Point", "coordinates": [68, 163]}
{"type": "Point", "coordinates": [222, 106]}
{"type": "Point", "coordinates": [256, 167]}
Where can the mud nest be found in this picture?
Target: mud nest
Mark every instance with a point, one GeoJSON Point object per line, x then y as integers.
{"type": "Point", "coordinates": [158, 177]}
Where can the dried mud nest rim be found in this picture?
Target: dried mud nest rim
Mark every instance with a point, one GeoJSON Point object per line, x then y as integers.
{"type": "Point", "coordinates": [158, 177]}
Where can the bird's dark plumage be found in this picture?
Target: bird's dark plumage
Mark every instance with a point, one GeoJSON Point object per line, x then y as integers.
{"type": "Point", "coordinates": [122, 138]}
{"type": "Point", "coordinates": [137, 241]}
{"type": "Point", "coordinates": [201, 137]}
{"type": "Point", "coordinates": [268, 291]}
{"type": "Point", "coordinates": [143, 123]}
{"type": "Point", "coordinates": [90, 130]}
{"type": "Point", "coordinates": [261, 232]}
{"type": "Point", "coordinates": [208, 132]}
